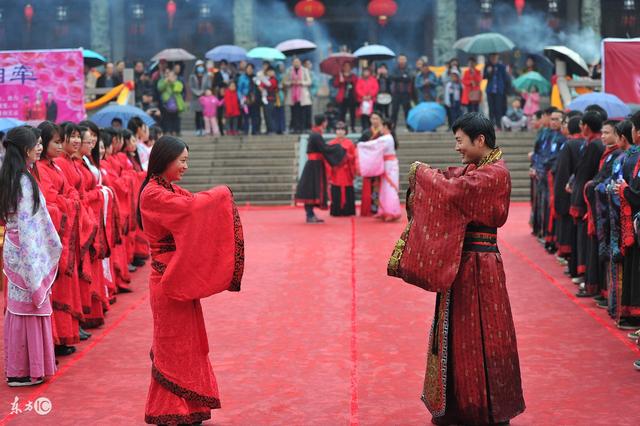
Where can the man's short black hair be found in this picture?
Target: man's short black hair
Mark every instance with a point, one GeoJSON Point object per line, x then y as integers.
{"type": "Point", "coordinates": [116, 120]}
{"type": "Point", "coordinates": [593, 120]}
{"type": "Point", "coordinates": [598, 109]}
{"type": "Point", "coordinates": [635, 120]}
{"type": "Point", "coordinates": [574, 113]}
{"type": "Point", "coordinates": [573, 125]}
{"type": "Point", "coordinates": [318, 119]}
{"type": "Point", "coordinates": [538, 114]}
{"type": "Point", "coordinates": [474, 124]}
{"type": "Point", "coordinates": [612, 123]}
{"type": "Point", "coordinates": [551, 110]}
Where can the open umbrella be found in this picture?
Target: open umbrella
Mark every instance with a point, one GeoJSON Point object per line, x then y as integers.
{"type": "Point", "coordinates": [616, 109]}
{"type": "Point", "coordinates": [173, 55]}
{"type": "Point", "coordinates": [333, 64]}
{"type": "Point", "coordinates": [227, 52]}
{"type": "Point", "coordinates": [486, 43]}
{"type": "Point", "coordinates": [426, 116]}
{"type": "Point", "coordinates": [92, 59]}
{"type": "Point", "coordinates": [266, 54]}
{"type": "Point", "coordinates": [104, 117]}
{"type": "Point", "coordinates": [9, 123]}
{"type": "Point", "coordinates": [296, 46]}
{"type": "Point", "coordinates": [374, 52]}
{"type": "Point", "coordinates": [461, 43]}
{"type": "Point", "coordinates": [575, 63]}
{"type": "Point", "coordinates": [526, 81]}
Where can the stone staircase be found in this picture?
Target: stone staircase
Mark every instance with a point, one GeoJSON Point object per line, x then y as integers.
{"type": "Point", "coordinates": [262, 170]}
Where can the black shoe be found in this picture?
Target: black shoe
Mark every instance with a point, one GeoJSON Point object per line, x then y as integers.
{"type": "Point", "coordinates": [84, 335]}
{"type": "Point", "coordinates": [23, 381]}
{"type": "Point", "coordinates": [64, 350]}
{"type": "Point", "coordinates": [124, 290]}
{"type": "Point", "coordinates": [599, 298]}
{"type": "Point", "coordinates": [314, 219]}
{"type": "Point", "coordinates": [584, 293]}
{"type": "Point", "coordinates": [138, 262]}
{"type": "Point", "coordinates": [628, 324]}
{"type": "Point", "coordinates": [604, 304]}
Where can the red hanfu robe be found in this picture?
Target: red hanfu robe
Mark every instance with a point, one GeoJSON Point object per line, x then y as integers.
{"type": "Point", "coordinates": [64, 206]}
{"type": "Point", "coordinates": [449, 246]}
{"type": "Point", "coordinates": [197, 250]}
{"type": "Point", "coordinates": [120, 186]}
{"type": "Point", "coordinates": [341, 179]}
{"type": "Point", "coordinates": [71, 167]}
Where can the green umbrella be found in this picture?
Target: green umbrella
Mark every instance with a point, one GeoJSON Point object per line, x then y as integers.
{"type": "Point", "coordinates": [485, 43]}
{"type": "Point", "coordinates": [266, 54]}
{"type": "Point", "coordinates": [526, 81]}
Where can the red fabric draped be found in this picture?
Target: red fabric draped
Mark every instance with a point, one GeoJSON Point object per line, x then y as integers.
{"type": "Point", "coordinates": [343, 174]}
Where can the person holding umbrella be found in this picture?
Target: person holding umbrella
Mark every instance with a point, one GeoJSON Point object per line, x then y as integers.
{"type": "Point", "coordinates": [346, 98]}
{"type": "Point", "coordinates": [170, 89]}
{"type": "Point", "coordinates": [471, 91]}
{"type": "Point", "coordinates": [383, 100]}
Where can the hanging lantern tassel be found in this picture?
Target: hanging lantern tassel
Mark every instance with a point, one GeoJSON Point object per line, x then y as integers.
{"type": "Point", "coordinates": [171, 12]}
{"type": "Point", "coordinates": [28, 14]}
{"type": "Point", "coordinates": [382, 9]}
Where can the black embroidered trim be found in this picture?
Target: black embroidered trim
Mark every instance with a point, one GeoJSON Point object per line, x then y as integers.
{"type": "Point", "coordinates": [238, 269]}
{"type": "Point", "coordinates": [162, 182]}
{"type": "Point", "coordinates": [175, 419]}
{"type": "Point", "coordinates": [206, 401]}
{"type": "Point", "coordinates": [58, 306]}
{"type": "Point", "coordinates": [165, 245]}
{"type": "Point", "coordinates": [159, 267]}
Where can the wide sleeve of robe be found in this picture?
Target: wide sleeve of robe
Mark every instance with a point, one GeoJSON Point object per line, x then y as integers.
{"type": "Point", "coordinates": [440, 206]}
{"type": "Point", "coordinates": [206, 228]}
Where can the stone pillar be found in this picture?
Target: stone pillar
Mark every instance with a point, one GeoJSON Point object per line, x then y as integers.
{"type": "Point", "coordinates": [243, 23]}
{"type": "Point", "coordinates": [446, 32]}
{"type": "Point", "coordinates": [100, 34]}
{"type": "Point", "coordinates": [591, 15]}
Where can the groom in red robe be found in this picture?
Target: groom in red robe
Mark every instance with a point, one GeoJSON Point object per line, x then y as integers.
{"type": "Point", "coordinates": [450, 247]}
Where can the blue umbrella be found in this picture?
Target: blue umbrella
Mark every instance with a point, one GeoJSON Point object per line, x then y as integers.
{"type": "Point", "coordinates": [426, 116]}
{"type": "Point", "coordinates": [93, 59]}
{"type": "Point", "coordinates": [9, 123]}
{"type": "Point", "coordinates": [227, 52]}
{"type": "Point", "coordinates": [266, 54]}
{"type": "Point", "coordinates": [104, 117]}
{"type": "Point", "coordinates": [611, 103]}
{"type": "Point", "coordinates": [374, 52]}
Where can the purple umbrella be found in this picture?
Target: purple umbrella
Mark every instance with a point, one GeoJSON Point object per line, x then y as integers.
{"type": "Point", "coordinates": [227, 52]}
{"type": "Point", "coordinates": [296, 46]}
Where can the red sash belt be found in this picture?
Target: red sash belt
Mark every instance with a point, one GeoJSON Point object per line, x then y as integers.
{"type": "Point", "coordinates": [314, 156]}
{"type": "Point", "coordinates": [389, 157]}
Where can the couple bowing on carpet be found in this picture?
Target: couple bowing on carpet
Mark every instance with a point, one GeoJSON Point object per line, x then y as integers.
{"type": "Point", "coordinates": [448, 247]}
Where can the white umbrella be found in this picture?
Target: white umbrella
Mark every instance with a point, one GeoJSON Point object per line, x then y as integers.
{"type": "Point", "coordinates": [575, 63]}
{"type": "Point", "coordinates": [173, 55]}
{"type": "Point", "coordinates": [296, 46]}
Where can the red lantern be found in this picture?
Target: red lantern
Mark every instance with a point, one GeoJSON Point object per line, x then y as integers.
{"type": "Point", "coordinates": [519, 4]}
{"type": "Point", "coordinates": [28, 14]}
{"type": "Point", "coordinates": [309, 9]}
{"type": "Point", "coordinates": [171, 12]}
{"type": "Point", "coordinates": [382, 9]}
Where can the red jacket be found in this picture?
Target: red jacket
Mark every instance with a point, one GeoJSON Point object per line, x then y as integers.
{"type": "Point", "coordinates": [367, 87]}
{"type": "Point", "coordinates": [231, 103]}
{"type": "Point", "coordinates": [342, 85]}
{"type": "Point", "coordinates": [469, 83]}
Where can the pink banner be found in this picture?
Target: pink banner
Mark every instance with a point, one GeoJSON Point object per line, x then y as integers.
{"type": "Point", "coordinates": [37, 85]}
{"type": "Point", "coordinates": [621, 69]}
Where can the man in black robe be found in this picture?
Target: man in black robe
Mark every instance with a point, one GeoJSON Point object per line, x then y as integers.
{"type": "Point", "coordinates": [312, 186]}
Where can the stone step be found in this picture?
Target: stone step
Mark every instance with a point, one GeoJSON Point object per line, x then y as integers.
{"type": "Point", "coordinates": [237, 179]}
{"type": "Point", "coordinates": [287, 170]}
{"type": "Point", "coordinates": [240, 162]}
{"type": "Point", "coordinates": [249, 155]}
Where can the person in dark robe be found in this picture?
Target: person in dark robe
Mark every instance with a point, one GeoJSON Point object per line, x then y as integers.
{"type": "Point", "coordinates": [564, 170]}
{"type": "Point", "coordinates": [343, 202]}
{"type": "Point", "coordinates": [312, 186]}
{"type": "Point", "coordinates": [542, 124]}
{"type": "Point", "coordinates": [473, 371]}
{"type": "Point", "coordinates": [371, 185]}
{"type": "Point", "coordinates": [625, 303]}
{"type": "Point", "coordinates": [587, 167]}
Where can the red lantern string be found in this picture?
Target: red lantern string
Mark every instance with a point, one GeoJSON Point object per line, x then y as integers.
{"type": "Point", "coordinates": [171, 12]}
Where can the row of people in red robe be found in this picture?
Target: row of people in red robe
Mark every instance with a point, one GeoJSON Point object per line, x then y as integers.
{"type": "Point", "coordinates": [90, 179]}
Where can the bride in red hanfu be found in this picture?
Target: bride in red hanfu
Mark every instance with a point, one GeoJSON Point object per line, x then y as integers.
{"type": "Point", "coordinates": [197, 250]}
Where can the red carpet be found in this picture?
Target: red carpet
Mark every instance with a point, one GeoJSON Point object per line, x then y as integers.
{"type": "Point", "coordinates": [299, 346]}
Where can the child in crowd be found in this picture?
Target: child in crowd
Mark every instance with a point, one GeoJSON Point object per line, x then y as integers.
{"type": "Point", "coordinates": [232, 108]}
{"type": "Point", "coordinates": [210, 104]}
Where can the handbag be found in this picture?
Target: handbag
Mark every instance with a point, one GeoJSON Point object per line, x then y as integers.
{"type": "Point", "coordinates": [172, 104]}
{"type": "Point", "coordinates": [475, 96]}
{"type": "Point", "coordinates": [383, 99]}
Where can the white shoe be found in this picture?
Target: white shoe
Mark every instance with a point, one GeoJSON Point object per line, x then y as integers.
{"type": "Point", "coordinates": [578, 280]}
